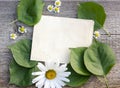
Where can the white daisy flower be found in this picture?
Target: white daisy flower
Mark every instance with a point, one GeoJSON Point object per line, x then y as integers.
{"type": "Point", "coordinates": [52, 75]}
{"type": "Point", "coordinates": [50, 8]}
{"type": "Point", "coordinates": [56, 9]}
{"type": "Point", "coordinates": [96, 34]}
{"type": "Point", "coordinates": [57, 3]}
{"type": "Point", "coordinates": [22, 29]}
{"type": "Point", "coordinates": [13, 36]}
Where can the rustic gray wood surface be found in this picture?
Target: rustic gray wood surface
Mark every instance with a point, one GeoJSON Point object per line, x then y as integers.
{"type": "Point", "coordinates": [68, 9]}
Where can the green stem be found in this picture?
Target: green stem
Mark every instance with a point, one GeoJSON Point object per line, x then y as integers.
{"type": "Point", "coordinates": [106, 82]}
{"type": "Point", "coordinates": [13, 21]}
{"type": "Point", "coordinates": [94, 38]}
{"type": "Point", "coordinates": [108, 33]}
{"type": "Point", "coordinates": [100, 78]}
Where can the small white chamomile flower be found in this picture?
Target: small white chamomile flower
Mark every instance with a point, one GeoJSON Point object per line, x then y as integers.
{"type": "Point", "coordinates": [51, 75]}
{"type": "Point", "coordinates": [57, 3]}
{"type": "Point", "coordinates": [96, 34]}
{"type": "Point", "coordinates": [13, 36]}
{"type": "Point", "coordinates": [56, 9]}
{"type": "Point", "coordinates": [22, 29]}
{"type": "Point", "coordinates": [50, 8]}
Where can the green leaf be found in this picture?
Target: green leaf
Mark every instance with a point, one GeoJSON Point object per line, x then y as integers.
{"type": "Point", "coordinates": [94, 11]}
{"type": "Point", "coordinates": [30, 11]}
{"type": "Point", "coordinates": [76, 79]}
{"type": "Point", "coordinates": [21, 53]}
{"type": "Point", "coordinates": [77, 60]}
{"type": "Point", "coordinates": [21, 76]}
{"type": "Point", "coordinates": [99, 58]}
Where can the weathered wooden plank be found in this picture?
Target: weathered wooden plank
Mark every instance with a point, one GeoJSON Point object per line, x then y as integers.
{"type": "Point", "coordinates": [67, 0]}
{"type": "Point", "coordinates": [68, 9]}
{"type": "Point", "coordinates": [113, 76]}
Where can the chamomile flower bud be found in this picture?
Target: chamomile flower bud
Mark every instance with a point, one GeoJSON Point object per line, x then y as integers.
{"type": "Point", "coordinates": [13, 36]}
{"type": "Point", "coordinates": [56, 9]}
{"type": "Point", "coordinates": [22, 29]}
{"type": "Point", "coordinates": [50, 8]}
{"type": "Point", "coordinates": [96, 34]}
{"type": "Point", "coordinates": [57, 3]}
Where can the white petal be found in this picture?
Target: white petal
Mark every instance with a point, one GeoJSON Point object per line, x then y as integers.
{"type": "Point", "coordinates": [62, 69]}
{"type": "Point", "coordinates": [63, 66]}
{"type": "Point", "coordinates": [25, 31]}
{"type": "Point", "coordinates": [57, 64]}
{"type": "Point", "coordinates": [37, 79]}
{"type": "Point", "coordinates": [51, 65]}
{"type": "Point", "coordinates": [40, 83]}
{"type": "Point", "coordinates": [64, 74]}
{"type": "Point", "coordinates": [64, 79]}
{"type": "Point", "coordinates": [38, 73]}
{"type": "Point", "coordinates": [39, 86]}
{"type": "Point", "coordinates": [41, 67]}
{"type": "Point", "coordinates": [61, 83]}
{"type": "Point", "coordinates": [57, 85]}
{"type": "Point", "coordinates": [48, 64]}
{"type": "Point", "coordinates": [47, 84]}
{"type": "Point", "coordinates": [52, 84]}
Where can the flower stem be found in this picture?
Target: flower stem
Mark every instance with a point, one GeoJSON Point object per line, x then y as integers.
{"type": "Point", "coordinates": [13, 21]}
{"type": "Point", "coordinates": [106, 82]}
{"type": "Point", "coordinates": [108, 33]}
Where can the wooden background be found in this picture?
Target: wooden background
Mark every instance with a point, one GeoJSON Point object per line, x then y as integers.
{"type": "Point", "coordinates": [68, 9]}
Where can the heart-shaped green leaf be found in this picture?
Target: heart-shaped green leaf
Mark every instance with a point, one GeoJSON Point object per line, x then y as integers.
{"type": "Point", "coordinates": [29, 11]}
{"type": "Point", "coordinates": [21, 53]}
{"type": "Point", "coordinates": [99, 58]}
{"type": "Point", "coordinates": [21, 76]}
{"type": "Point", "coordinates": [77, 60]}
{"type": "Point", "coordinates": [94, 11]}
{"type": "Point", "coordinates": [76, 79]}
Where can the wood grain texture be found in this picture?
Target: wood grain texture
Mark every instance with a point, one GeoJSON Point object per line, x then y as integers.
{"type": "Point", "coordinates": [66, 0]}
{"type": "Point", "coordinates": [68, 9]}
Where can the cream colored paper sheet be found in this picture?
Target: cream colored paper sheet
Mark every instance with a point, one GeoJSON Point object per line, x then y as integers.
{"type": "Point", "coordinates": [53, 36]}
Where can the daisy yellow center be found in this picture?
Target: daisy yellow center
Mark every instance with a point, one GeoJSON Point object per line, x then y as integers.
{"type": "Point", "coordinates": [57, 3]}
{"type": "Point", "coordinates": [56, 9]}
{"type": "Point", "coordinates": [97, 34]}
{"type": "Point", "coordinates": [22, 29]}
{"type": "Point", "coordinates": [13, 35]}
{"type": "Point", "coordinates": [50, 74]}
{"type": "Point", "coordinates": [50, 8]}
